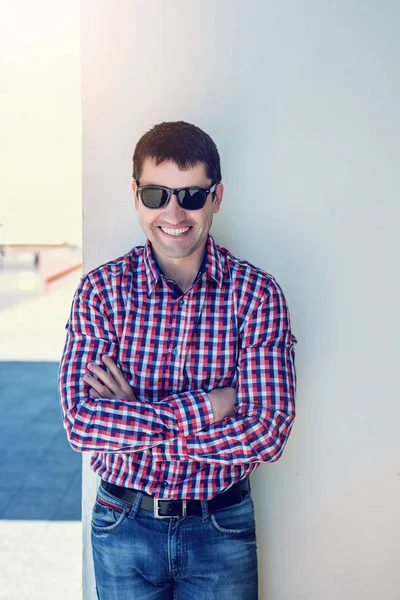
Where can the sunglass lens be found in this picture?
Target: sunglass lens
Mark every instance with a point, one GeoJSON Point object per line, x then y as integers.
{"type": "Point", "coordinates": [154, 197]}
{"type": "Point", "coordinates": [192, 198]}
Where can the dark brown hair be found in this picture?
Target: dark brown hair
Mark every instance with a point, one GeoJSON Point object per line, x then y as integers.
{"type": "Point", "coordinates": [181, 142]}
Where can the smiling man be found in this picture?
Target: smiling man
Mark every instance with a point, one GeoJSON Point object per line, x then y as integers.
{"type": "Point", "coordinates": [178, 374]}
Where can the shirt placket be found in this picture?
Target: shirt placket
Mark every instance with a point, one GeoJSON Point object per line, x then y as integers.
{"type": "Point", "coordinates": [185, 315]}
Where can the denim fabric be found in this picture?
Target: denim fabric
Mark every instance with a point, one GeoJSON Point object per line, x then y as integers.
{"type": "Point", "coordinates": [137, 556]}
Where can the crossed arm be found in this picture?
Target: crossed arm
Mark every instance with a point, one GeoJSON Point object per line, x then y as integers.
{"type": "Point", "coordinates": [112, 384]}
{"type": "Point", "coordinates": [104, 415]}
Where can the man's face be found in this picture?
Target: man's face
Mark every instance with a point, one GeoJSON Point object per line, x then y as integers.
{"type": "Point", "coordinates": [190, 227]}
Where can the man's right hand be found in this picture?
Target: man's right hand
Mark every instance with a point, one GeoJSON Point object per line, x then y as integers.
{"type": "Point", "coordinates": [223, 401]}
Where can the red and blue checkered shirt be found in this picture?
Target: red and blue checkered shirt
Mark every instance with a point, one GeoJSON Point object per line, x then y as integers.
{"type": "Point", "coordinates": [231, 328]}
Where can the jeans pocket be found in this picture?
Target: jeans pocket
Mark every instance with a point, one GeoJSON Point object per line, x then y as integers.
{"type": "Point", "coordinates": [108, 516]}
{"type": "Point", "coordinates": [235, 520]}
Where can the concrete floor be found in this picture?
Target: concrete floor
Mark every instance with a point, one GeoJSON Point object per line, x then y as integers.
{"type": "Point", "coordinates": [40, 475]}
{"type": "Point", "coordinates": [40, 560]}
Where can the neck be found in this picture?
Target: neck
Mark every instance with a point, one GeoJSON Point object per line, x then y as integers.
{"type": "Point", "coordinates": [181, 270]}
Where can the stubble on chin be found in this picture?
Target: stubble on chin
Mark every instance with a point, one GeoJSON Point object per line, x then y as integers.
{"type": "Point", "coordinates": [172, 250]}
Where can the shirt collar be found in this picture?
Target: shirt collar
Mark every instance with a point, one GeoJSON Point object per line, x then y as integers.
{"type": "Point", "coordinates": [213, 266]}
{"type": "Point", "coordinates": [211, 262]}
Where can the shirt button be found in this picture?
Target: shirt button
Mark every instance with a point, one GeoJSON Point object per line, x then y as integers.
{"type": "Point", "coordinates": [174, 351]}
{"type": "Point", "coordinates": [181, 302]}
{"type": "Point", "coordinates": [165, 483]}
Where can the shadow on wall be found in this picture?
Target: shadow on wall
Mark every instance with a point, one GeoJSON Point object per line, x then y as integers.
{"type": "Point", "coordinates": [40, 475]}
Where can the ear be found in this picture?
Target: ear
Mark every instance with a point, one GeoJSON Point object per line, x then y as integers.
{"type": "Point", "coordinates": [219, 192]}
{"type": "Point", "coordinates": [135, 194]}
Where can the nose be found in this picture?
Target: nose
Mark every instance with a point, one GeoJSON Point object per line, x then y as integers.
{"type": "Point", "coordinates": [173, 212]}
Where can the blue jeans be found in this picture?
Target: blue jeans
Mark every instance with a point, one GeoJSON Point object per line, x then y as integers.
{"type": "Point", "coordinates": [139, 557]}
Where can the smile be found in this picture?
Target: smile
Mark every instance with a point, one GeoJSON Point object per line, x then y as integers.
{"type": "Point", "coordinates": [175, 232]}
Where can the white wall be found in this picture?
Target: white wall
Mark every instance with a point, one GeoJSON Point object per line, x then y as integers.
{"type": "Point", "coordinates": [302, 99]}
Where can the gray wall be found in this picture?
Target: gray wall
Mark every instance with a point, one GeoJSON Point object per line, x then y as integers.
{"type": "Point", "coordinates": [302, 99]}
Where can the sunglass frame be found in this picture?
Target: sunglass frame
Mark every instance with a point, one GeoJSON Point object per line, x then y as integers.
{"type": "Point", "coordinates": [175, 192]}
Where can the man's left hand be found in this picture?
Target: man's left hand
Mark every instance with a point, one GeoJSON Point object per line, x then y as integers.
{"type": "Point", "coordinates": [112, 384]}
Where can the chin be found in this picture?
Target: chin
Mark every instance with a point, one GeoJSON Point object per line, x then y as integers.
{"type": "Point", "coordinates": [175, 253]}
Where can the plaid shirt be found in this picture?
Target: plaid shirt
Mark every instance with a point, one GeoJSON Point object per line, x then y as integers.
{"type": "Point", "coordinates": [232, 328]}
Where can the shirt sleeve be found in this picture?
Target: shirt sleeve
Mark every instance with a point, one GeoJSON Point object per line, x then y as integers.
{"type": "Point", "coordinates": [266, 382]}
{"type": "Point", "coordinates": [115, 425]}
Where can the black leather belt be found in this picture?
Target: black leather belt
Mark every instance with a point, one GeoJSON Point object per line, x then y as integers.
{"type": "Point", "coordinates": [170, 509]}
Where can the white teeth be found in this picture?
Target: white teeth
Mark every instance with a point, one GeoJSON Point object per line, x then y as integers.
{"type": "Point", "coordinates": [175, 231]}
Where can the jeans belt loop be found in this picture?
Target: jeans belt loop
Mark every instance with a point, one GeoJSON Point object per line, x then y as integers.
{"type": "Point", "coordinates": [157, 509]}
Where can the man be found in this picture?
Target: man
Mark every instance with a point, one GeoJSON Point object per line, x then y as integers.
{"type": "Point", "coordinates": [178, 373]}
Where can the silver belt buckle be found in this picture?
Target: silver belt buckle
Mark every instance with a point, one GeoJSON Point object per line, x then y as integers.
{"type": "Point", "coordinates": [157, 508]}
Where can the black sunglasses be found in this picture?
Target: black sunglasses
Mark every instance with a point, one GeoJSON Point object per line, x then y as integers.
{"type": "Point", "coordinates": [189, 198]}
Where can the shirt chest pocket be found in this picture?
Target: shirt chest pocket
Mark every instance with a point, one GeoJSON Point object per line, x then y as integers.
{"type": "Point", "coordinates": [211, 357]}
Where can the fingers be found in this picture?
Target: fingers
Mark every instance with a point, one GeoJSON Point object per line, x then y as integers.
{"type": "Point", "coordinates": [109, 384]}
{"type": "Point", "coordinates": [104, 377]}
{"type": "Point", "coordinates": [114, 370]}
{"type": "Point", "coordinates": [102, 390]}
{"type": "Point", "coordinates": [123, 386]}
